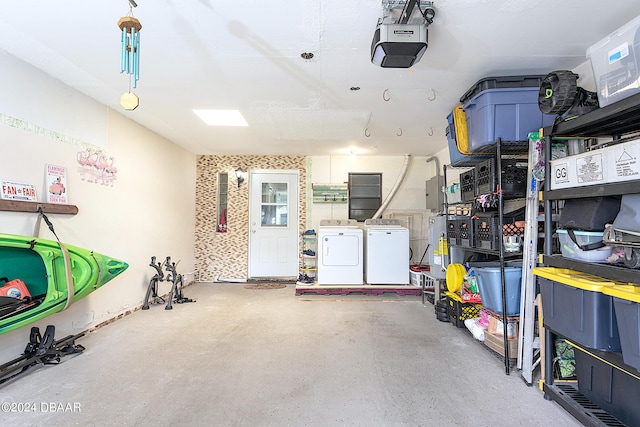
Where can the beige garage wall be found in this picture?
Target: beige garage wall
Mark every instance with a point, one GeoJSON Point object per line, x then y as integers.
{"type": "Point", "coordinates": [148, 209]}
{"type": "Point", "coordinates": [225, 255]}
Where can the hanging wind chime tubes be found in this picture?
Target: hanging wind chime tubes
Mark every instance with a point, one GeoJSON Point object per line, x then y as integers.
{"type": "Point", "coordinates": [130, 47]}
{"type": "Point", "coordinates": [130, 58]}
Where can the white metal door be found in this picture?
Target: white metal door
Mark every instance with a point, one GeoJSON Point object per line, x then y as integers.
{"type": "Point", "coordinates": [273, 224]}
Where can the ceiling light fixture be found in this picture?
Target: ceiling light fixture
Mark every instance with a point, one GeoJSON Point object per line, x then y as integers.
{"type": "Point", "coordinates": [130, 55]}
{"type": "Point", "coordinates": [401, 42]}
{"type": "Point", "coordinates": [306, 55]}
{"type": "Point", "coordinates": [221, 117]}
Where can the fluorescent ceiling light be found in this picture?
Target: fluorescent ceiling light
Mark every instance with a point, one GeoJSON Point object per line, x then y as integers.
{"type": "Point", "coordinates": [221, 117]}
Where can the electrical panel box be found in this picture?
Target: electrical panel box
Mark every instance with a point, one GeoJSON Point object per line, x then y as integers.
{"type": "Point", "coordinates": [434, 195]}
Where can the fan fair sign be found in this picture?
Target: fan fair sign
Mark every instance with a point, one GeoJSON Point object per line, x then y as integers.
{"type": "Point", "coordinates": [10, 190]}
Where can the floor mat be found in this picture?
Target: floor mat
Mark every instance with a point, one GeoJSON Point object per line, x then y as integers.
{"type": "Point", "coordinates": [265, 286]}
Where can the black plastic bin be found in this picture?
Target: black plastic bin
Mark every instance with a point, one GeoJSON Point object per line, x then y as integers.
{"type": "Point", "coordinates": [502, 82]}
{"type": "Point", "coordinates": [468, 185]}
{"type": "Point", "coordinates": [453, 229]}
{"type": "Point", "coordinates": [466, 232]}
{"type": "Point", "coordinates": [487, 233]}
{"type": "Point", "coordinates": [514, 178]}
{"type": "Point", "coordinates": [607, 382]}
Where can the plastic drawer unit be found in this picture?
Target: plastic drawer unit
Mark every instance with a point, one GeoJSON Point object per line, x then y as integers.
{"type": "Point", "coordinates": [574, 306]}
{"type": "Point", "coordinates": [615, 61]}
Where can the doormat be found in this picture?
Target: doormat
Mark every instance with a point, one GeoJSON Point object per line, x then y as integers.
{"type": "Point", "coordinates": [265, 286]}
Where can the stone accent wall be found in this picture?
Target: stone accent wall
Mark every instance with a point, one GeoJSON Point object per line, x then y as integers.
{"type": "Point", "coordinates": [225, 255]}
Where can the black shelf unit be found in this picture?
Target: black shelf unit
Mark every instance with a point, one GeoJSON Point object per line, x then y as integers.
{"type": "Point", "coordinates": [628, 187]}
{"type": "Point", "coordinates": [614, 120]}
{"type": "Point", "coordinates": [609, 271]}
{"type": "Point", "coordinates": [499, 151]}
{"type": "Point", "coordinates": [578, 405]}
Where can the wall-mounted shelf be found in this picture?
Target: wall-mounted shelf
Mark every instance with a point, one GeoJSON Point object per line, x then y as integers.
{"type": "Point", "coordinates": [32, 207]}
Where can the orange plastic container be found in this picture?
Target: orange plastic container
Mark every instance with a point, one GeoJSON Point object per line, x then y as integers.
{"type": "Point", "coordinates": [15, 289]}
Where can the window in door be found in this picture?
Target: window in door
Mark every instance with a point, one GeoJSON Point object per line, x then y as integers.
{"type": "Point", "coordinates": [365, 195]}
{"type": "Point", "coordinates": [273, 209]}
{"type": "Point", "coordinates": [223, 191]}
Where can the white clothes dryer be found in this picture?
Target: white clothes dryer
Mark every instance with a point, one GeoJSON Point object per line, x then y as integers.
{"type": "Point", "coordinates": [340, 252]}
{"type": "Point", "coordinates": [386, 259]}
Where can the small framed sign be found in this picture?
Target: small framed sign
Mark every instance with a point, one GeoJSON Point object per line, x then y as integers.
{"type": "Point", "coordinates": [10, 190]}
{"type": "Point", "coordinates": [56, 184]}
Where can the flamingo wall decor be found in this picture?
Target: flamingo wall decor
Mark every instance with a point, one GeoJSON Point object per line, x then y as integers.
{"type": "Point", "coordinates": [96, 167]}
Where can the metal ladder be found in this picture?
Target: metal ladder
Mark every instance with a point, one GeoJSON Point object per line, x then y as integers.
{"type": "Point", "coordinates": [528, 355]}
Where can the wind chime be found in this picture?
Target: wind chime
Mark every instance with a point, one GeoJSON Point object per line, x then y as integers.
{"type": "Point", "coordinates": [130, 55]}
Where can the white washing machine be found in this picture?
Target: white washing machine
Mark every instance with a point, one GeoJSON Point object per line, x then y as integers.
{"type": "Point", "coordinates": [340, 250]}
{"type": "Point", "coordinates": [386, 258]}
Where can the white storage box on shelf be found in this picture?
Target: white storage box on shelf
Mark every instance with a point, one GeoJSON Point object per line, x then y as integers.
{"type": "Point", "coordinates": [615, 61]}
{"type": "Point", "coordinates": [616, 163]}
{"type": "Point", "coordinates": [571, 250]}
{"type": "Point", "coordinates": [454, 195]}
{"type": "Point", "coordinates": [416, 278]}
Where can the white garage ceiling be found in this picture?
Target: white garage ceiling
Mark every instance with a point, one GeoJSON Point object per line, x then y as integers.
{"type": "Point", "coordinates": [246, 55]}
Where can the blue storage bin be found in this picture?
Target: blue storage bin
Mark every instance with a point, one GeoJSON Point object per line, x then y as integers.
{"type": "Point", "coordinates": [490, 285]}
{"type": "Point", "coordinates": [506, 113]}
{"type": "Point", "coordinates": [626, 300]}
{"type": "Point", "coordinates": [575, 305]}
{"type": "Point", "coordinates": [502, 82]}
{"type": "Point", "coordinates": [627, 316]}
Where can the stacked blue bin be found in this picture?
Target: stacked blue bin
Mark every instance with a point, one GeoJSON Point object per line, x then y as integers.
{"type": "Point", "coordinates": [505, 108]}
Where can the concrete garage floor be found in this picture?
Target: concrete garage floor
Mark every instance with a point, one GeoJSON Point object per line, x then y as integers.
{"type": "Point", "coordinates": [241, 357]}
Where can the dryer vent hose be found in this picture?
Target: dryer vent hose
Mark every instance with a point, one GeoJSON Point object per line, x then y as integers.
{"type": "Point", "coordinates": [394, 190]}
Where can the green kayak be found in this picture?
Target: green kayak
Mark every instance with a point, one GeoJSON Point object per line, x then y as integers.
{"type": "Point", "coordinates": [40, 264]}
